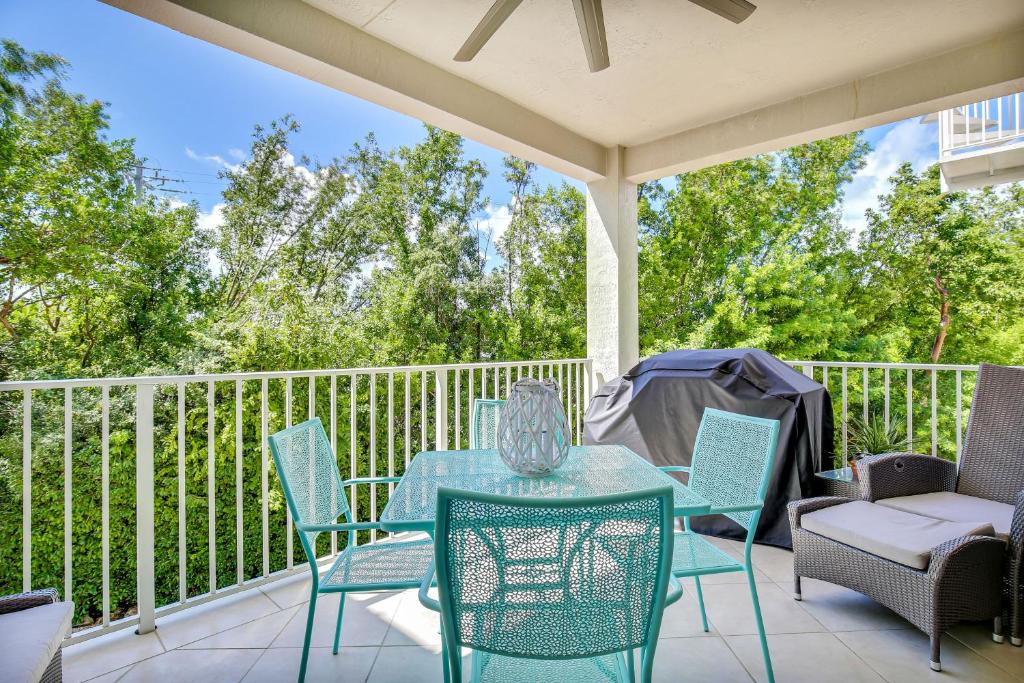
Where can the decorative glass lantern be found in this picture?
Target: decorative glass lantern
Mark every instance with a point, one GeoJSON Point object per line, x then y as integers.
{"type": "Point", "coordinates": [533, 431]}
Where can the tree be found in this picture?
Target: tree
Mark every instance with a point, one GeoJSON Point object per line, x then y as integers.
{"type": "Point", "coordinates": [81, 257]}
{"type": "Point", "coordinates": [943, 271]}
{"type": "Point", "coordinates": [544, 270]}
{"type": "Point", "coordinates": [416, 303]}
{"type": "Point", "coordinates": [750, 253]}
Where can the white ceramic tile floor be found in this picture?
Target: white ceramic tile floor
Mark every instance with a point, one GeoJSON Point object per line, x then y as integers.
{"type": "Point", "coordinates": [388, 637]}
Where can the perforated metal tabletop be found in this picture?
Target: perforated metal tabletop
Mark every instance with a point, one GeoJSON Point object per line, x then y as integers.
{"type": "Point", "coordinates": [588, 471]}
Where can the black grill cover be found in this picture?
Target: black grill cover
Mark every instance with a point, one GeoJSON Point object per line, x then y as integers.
{"type": "Point", "coordinates": [655, 409]}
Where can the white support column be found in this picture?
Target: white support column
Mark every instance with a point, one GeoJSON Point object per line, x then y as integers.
{"type": "Point", "coordinates": [612, 302]}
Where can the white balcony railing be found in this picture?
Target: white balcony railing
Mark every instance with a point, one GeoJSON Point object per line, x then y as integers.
{"type": "Point", "coordinates": [377, 419]}
{"type": "Point", "coordinates": [980, 126]}
{"type": "Point", "coordinates": [932, 400]}
{"type": "Point", "coordinates": [189, 452]}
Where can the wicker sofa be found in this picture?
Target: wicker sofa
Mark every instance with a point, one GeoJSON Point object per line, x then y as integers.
{"type": "Point", "coordinates": [931, 586]}
{"type": "Point", "coordinates": [34, 625]}
{"type": "Point", "coordinates": [974, 514]}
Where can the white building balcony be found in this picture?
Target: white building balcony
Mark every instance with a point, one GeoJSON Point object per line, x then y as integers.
{"type": "Point", "coordinates": [982, 143]}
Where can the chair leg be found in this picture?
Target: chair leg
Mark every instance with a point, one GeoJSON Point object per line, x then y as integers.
{"type": "Point", "coordinates": [760, 627]}
{"type": "Point", "coordinates": [309, 634]}
{"type": "Point", "coordinates": [797, 593]}
{"type": "Point", "coordinates": [1015, 617]}
{"type": "Point", "coordinates": [997, 630]}
{"type": "Point", "coordinates": [337, 628]}
{"type": "Point", "coordinates": [700, 601]}
{"type": "Point", "coordinates": [446, 674]}
{"type": "Point", "coordinates": [936, 663]}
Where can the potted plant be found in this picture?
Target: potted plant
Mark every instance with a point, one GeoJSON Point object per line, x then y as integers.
{"type": "Point", "coordinates": [872, 437]}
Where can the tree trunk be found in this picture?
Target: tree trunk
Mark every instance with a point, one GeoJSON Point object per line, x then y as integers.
{"type": "Point", "coordinates": [944, 319]}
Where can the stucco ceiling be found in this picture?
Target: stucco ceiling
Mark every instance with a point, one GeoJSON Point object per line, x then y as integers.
{"type": "Point", "coordinates": [675, 66]}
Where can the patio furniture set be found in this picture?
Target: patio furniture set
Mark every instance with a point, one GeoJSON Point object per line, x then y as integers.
{"type": "Point", "coordinates": [562, 577]}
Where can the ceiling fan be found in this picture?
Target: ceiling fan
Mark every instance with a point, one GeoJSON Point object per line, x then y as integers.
{"type": "Point", "coordinates": [591, 21]}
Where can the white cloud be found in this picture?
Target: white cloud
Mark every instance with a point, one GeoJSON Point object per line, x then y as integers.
{"type": "Point", "coordinates": [236, 153]}
{"type": "Point", "coordinates": [212, 158]}
{"type": "Point", "coordinates": [307, 175]}
{"type": "Point", "coordinates": [905, 141]}
{"type": "Point", "coordinates": [497, 221]}
{"type": "Point", "coordinates": [212, 221]}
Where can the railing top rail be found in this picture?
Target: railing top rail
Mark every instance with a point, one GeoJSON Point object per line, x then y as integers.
{"type": "Point", "coordinates": [882, 366]}
{"type": "Point", "coordinates": [21, 385]}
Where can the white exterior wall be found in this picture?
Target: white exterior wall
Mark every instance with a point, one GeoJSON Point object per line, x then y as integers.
{"type": "Point", "coordinates": [612, 293]}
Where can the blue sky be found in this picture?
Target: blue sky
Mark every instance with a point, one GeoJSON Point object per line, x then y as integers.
{"type": "Point", "coordinates": [191, 106]}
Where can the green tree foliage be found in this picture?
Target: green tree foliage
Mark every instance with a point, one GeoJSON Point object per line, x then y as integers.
{"type": "Point", "coordinates": [942, 274]}
{"type": "Point", "coordinates": [750, 253]}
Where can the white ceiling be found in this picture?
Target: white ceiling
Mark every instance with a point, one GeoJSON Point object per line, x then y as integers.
{"type": "Point", "coordinates": [675, 66]}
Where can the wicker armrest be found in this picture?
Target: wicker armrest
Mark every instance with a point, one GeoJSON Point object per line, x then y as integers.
{"type": "Point", "coordinates": [967, 555]}
{"type": "Point", "coordinates": [1017, 528]}
{"type": "Point", "coordinates": [904, 474]}
{"type": "Point", "coordinates": [801, 507]}
{"type": "Point", "coordinates": [20, 601]}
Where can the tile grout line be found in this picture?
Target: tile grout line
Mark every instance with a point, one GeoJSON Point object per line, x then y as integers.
{"type": "Point", "coordinates": [862, 660]}
{"type": "Point", "coordinates": [287, 623]}
{"type": "Point", "coordinates": [373, 665]}
{"type": "Point", "coordinates": [911, 627]}
{"type": "Point", "coordinates": [223, 630]}
{"type": "Point", "coordinates": [985, 657]}
{"type": "Point", "coordinates": [267, 648]}
{"type": "Point", "coordinates": [739, 659]}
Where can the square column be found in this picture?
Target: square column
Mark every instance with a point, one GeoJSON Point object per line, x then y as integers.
{"type": "Point", "coordinates": [613, 334]}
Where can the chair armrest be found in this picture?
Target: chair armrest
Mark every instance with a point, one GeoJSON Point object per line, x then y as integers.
{"type": "Point", "coordinates": [425, 599]}
{"type": "Point", "coordinates": [976, 563]}
{"type": "Point", "coordinates": [1016, 547]}
{"type": "Point", "coordinates": [797, 508]}
{"type": "Point", "coordinates": [729, 509]}
{"type": "Point", "coordinates": [371, 480]}
{"type": "Point", "coordinates": [675, 590]}
{"type": "Point", "coordinates": [673, 468]}
{"type": "Point", "coordinates": [344, 526]}
{"type": "Point", "coordinates": [904, 474]}
{"type": "Point", "coordinates": [21, 601]}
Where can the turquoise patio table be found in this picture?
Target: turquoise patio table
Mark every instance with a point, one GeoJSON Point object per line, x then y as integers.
{"type": "Point", "coordinates": [587, 471]}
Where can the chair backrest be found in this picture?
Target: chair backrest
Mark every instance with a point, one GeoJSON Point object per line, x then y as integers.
{"type": "Point", "coordinates": [310, 478]}
{"type": "Point", "coordinates": [483, 431]}
{"type": "Point", "coordinates": [732, 458]}
{"type": "Point", "coordinates": [544, 578]}
{"type": "Point", "coordinates": [992, 461]}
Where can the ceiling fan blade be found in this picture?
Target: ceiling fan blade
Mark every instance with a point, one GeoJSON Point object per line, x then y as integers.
{"type": "Point", "coordinates": [591, 20]}
{"type": "Point", "coordinates": [495, 17]}
{"type": "Point", "coordinates": [733, 10]}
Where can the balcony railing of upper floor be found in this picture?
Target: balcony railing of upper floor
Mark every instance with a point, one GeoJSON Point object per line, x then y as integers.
{"type": "Point", "coordinates": [142, 496]}
{"type": "Point", "coordinates": [981, 126]}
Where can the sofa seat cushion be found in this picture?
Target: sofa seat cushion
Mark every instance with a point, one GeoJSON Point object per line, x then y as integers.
{"type": "Point", "coordinates": [899, 536]}
{"type": "Point", "coordinates": [31, 637]}
{"type": "Point", "coordinates": [956, 507]}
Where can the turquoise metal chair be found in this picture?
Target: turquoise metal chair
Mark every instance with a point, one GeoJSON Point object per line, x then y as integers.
{"type": "Point", "coordinates": [308, 471]}
{"type": "Point", "coordinates": [732, 458]}
{"type": "Point", "coordinates": [483, 429]}
{"type": "Point", "coordinates": [545, 589]}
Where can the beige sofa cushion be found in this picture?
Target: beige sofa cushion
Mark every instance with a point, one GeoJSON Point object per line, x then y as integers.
{"type": "Point", "coordinates": [893, 534]}
{"type": "Point", "coordinates": [955, 507]}
{"type": "Point", "coordinates": [31, 637]}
